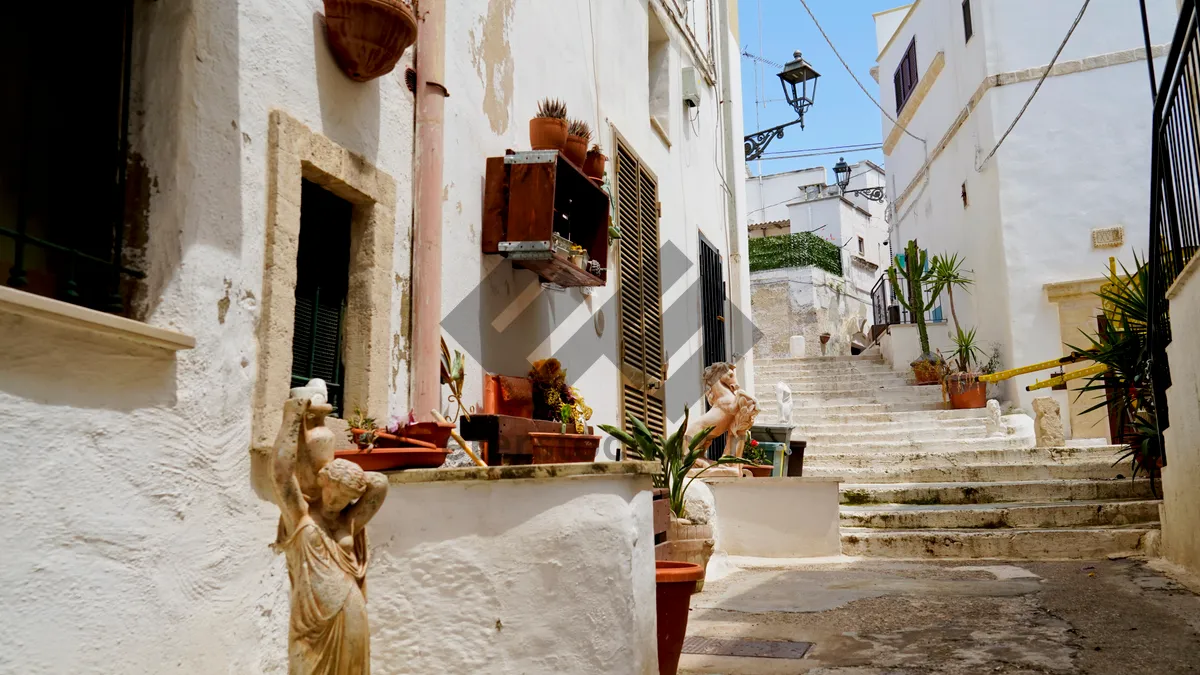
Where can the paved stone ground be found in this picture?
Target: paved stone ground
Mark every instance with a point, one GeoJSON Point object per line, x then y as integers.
{"type": "Point", "coordinates": [954, 618]}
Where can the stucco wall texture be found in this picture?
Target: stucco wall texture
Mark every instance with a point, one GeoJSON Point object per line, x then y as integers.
{"type": "Point", "coordinates": [1181, 499]}
{"type": "Point", "coordinates": [805, 301]}
{"type": "Point", "coordinates": [135, 544]}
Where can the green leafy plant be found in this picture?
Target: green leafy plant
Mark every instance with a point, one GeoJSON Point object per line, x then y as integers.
{"type": "Point", "coordinates": [552, 108]}
{"type": "Point", "coordinates": [1120, 344]}
{"type": "Point", "coordinates": [802, 249]}
{"type": "Point", "coordinates": [676, 461]}
{"type": "Point", "coordinates": [914, 269]}
{"type": "Point", "coordinates": [453, 374]}
{"type": "Point", "coordinates": [754, 452]}
{"type": "Point", "coordinates": [369, 430]}
{"type": "Point", "coordinates": [967, 353]}
{"type": "Point", "coordinates": [946, 273]}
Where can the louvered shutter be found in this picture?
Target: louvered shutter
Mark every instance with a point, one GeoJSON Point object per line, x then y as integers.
{"type": "Point", "coordinates": [640, 293]}
{"type": "Point", "coordinates": [322, 279]}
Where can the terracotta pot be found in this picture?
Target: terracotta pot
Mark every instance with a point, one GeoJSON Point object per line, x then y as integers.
{"type": "Point", "coordinates": [925, 372]}
{"type": "Point", "coordinates": [675, 582]}
{"type": "Point", "coordinates": [547, 133]}
{"type": "Point", "coordinates": [383, 439]}
{"type": "Point", "coordinates": [385, 459]}
{"type": "Point", "coordinates": [759, 470]}
{"type": "Point", "coordinates": [507, 395]}
{"type": "Point", "coordinates": [575, 150]}
{"type": "Point", "coordinates": [436, 434]}
{"type": "Point", "coordinates": [368, 37]}
{"type": "Point", "coordinates": [966, 394]}
{"type": "Point", "coordinates": [550, 448]}
{"type": "Point", "coordinates": [593, 165]}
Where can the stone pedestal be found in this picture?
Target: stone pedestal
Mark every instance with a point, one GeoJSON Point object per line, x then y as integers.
{"type": "Point", "coordinates": [1047, 425]}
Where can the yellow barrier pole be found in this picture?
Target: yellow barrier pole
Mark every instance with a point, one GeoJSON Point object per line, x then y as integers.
{"type": "Point", "coordinates": [1013, 372]}
{"type": "Point", "coordinates": [1073, 375]}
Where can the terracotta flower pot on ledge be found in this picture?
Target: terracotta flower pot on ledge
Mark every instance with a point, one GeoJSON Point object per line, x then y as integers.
{"type": "Point", "coordinates": [547, 133]}
{"type": "Point", "coordinates": [388, 459]}
{"type": "Point", "coordinates": [593, 164]}
{"type": "Point", "coordinates": [966, 393]}
{"type": "Point", "coordinates": [550, 448]}
{"type": "Point", "coordinates": [368, 37]}
{"type": "Point", "coordinates": [575, 150]}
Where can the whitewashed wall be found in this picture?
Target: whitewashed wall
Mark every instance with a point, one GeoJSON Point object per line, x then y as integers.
{"type": "Point", "coordinates": [1181, 500]}
{"type": "Point", "coordinates": [767, 196]}
{"type": "Point", "coordinates": [1077, 160]}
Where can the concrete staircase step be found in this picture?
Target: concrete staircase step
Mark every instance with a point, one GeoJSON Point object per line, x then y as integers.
{"type": "Point", "coordinates": [814, 420]}
{"type": "Point", "coordinates": [838, 383]}
{"type": "Point", "coordinates": [972, 473]}
{"type": "Point", "coordinates": [968, 452]}
{"type": "Point", "coordinates": [996, 516]}
{"type": "Point", "coordinates": [846, 435]}
{"type": "Point", "coordinates": [835, 409]}
{"type": "Point", "coordinates": [816, 361]}
{"type": "Point", "coordinates": [871, 394]}
{"type": "Point", "coordinates": [988, 493]}
{"type": "Point", "coordinates": [1027, 544]}
{"type": "Point", "coordinates": [878, 447]}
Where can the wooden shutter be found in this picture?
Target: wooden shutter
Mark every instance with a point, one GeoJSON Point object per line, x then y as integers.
{"type": "Point", "coordinates": [322, 280]}
{"type": "Point", "coordinates": [639, 293]}
{"type": "Point", "coordinates": [905, 79]}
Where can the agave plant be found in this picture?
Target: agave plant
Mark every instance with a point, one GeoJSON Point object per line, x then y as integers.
{"type": "Point", "coordinates": [581, 129]}
{"type": "Point", "coordinates": [676, 462]}
{"type": "Point", "coordinates": [1120, 344]}
{"type": "Point", "coordinates": [552, 108]}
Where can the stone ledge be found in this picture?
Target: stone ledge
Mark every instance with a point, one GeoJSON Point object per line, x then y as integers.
{"type": "Point", "coordinates": [777, 481]}
{"type": "Point", "coordinates": [21, 303]}
{"type": "Point", "coordinates": [523, 472]}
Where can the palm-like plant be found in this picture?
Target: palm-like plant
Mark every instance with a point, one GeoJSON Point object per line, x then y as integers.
{"type": "Point", "coordinates": [946, 273]}
{"type": "Point", "coordinates": [1120, 344]}
{"type": "Point", "coordinates": [967, 353]}
{"type": "Point", "coordinates": [676, 462]}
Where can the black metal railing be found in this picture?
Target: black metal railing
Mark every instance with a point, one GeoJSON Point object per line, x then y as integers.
{"type": "Point", "coordinates": [70, 245]}
{"type": "Point", "coordinates": [1174, 189]}
{"type": "Point", "coordinates": [886, 310]}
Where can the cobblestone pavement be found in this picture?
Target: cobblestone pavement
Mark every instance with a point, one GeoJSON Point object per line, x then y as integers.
{"type": "Point", "coordinates": [954, 618]}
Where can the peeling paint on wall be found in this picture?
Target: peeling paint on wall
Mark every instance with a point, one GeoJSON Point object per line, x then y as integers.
{"type": "Point", "coordinates": [492, 57]}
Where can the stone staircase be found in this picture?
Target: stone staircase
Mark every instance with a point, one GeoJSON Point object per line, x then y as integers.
{"type": "Point", "coordinates": [923, 481]}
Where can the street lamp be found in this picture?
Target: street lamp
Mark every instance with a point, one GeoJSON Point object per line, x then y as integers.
{"type": "Point", "coordinates": [841, 173]}
{"type": "Point", "coordinates": [795, 78]}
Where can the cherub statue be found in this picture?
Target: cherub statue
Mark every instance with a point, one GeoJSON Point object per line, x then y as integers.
{"type": "Point", "coordinates": [325, 504]}
{"type": "Point", "coordinates": [732, 410]}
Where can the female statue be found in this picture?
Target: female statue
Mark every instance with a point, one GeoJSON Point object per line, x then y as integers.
{"type": "Point", "coordinates": [322, 532]}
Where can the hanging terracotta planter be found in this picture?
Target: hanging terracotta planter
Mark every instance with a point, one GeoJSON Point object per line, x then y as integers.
{"type": "Point", "coordinates": [368, 37]}
{"type": "Point", "coordinates": [593, 164]}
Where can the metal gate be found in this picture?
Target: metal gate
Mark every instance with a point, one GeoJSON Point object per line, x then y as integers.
{"type": "Point", "coordinates": [713, 306]}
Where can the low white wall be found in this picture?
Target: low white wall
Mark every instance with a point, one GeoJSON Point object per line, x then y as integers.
{"type": "Point", "coordinates": [551, 575]}
{"type": "Point", "coordinates": [777, 517]}
{"type": "Point", "coordinates": [901, 343]}
{"type": "Point", "coordinates": [1181, 476]}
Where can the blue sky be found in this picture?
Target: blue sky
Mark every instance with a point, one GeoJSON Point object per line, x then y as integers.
{"type": "Point", "coordinates": [841, 114]}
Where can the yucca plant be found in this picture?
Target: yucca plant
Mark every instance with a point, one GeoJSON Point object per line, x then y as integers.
{"type": "Point", "coordinates": [676, 462]}
{"type": "Point", "coordinates": [581, 129]}
{"type": "Point", "coordinates": [946, 273]}
{"type": "Point", "coordinates": [1120, 344]}
{"type": "Point", "coordinates": [552, 108]}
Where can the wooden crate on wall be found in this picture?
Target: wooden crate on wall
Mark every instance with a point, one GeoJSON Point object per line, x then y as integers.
{"type": "Point", "coordinates": [531, 196]}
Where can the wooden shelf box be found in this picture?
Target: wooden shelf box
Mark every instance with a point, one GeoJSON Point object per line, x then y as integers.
{"type": "Point", "coordinates": [531, 196]}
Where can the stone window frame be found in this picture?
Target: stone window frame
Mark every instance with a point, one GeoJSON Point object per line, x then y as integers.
{"type": "Point", "coordinates": [296, 153]}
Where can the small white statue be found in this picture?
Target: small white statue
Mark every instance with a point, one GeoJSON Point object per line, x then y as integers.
{"type": "Point", "coordinates": [783, 396]}
{"type": "Point", "coordinates": [732, 410]}
{"type": "Point", "coordinates": [995, 426]}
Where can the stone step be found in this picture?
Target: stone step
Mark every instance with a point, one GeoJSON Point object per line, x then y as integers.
{"type": "Point", "coordinates": [826, 416]}
{"type": "Point", "coordinates": [946, 449]}
{"type": "Point", "coordinates": [996, 516]}
{"type": "Point", "coordinates": [820, 360]}
{"type": "Point", "coordinates": [969, 425]}
{"type": "Point", "coordinates": [804, 374]}
{"type": "Point", "coordinates": [969, 456]}
{"type": "Point", "coordinates": [849, 434]}
{"type": "Point", "coordinates": [1096, 469]}
{"type": "Point", "coordinates": [875, 394]}
{"type": "Point", "coordinates": [836, 384]}
{"type": "Point", "coordinates": [832, 409]}
{"type": "Point", "coordinates": [986, 493]}
{"type": "Point", "coordinates": [1027, 544]}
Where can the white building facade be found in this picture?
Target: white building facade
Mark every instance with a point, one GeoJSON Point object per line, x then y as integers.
{"type": "Point", "coordinates": [806, 301]}
{"type": "Point", "coordinates": [1037, 221]}
{"type": "Point", "coordinates": [136, 543]}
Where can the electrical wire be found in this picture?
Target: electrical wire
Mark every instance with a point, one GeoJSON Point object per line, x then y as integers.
{"type": "Point", "coordinates": [832, 148]}
{"type": "Point", "coordinates": [819, 154]}
{"type": "Point", "coordinates": [856, 80]}
{"type": "Point", "coordinates": [1033, 93]}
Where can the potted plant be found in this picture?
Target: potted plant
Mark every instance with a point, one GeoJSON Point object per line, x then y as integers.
{"type": "Point", "coordinates": [368, 37]}
{"type": "Point", "coordinates": [593, 164]}
{"type": "Point", "coordinates": [554, 399]}
{"type": "Point", "coordinates": [962, 384]}
{"type": "Point", "coordinates": [548, 129]}
{"type": "Point", "coordinates": [579, 134]}
{"type": "Point", "coordinates": [760, 464]}
{"type": "Point", "coordinates": [946, 273]}
{"type": "Point", "coordinates": [913, 267]}
{"type": "Point", "coordinates": [675, 581]}
{"type": "Point", "coordinates": [386, 449]}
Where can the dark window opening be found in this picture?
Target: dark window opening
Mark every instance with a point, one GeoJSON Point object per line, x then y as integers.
{"type": "Point", "coordinates": [862, 246]}
{"type": "Point", "coordinates": [965, 201]}
{"type": "Point", "coordinates": [968, 29]}
{"type": "Point", "coordinates": [322, 281]}
{"type": "Point", "coordinates": [63, 158]}
{"type": "Point", "coordinates": [714, 303]}
{"type": "Point", "coordinates": [905, 79]}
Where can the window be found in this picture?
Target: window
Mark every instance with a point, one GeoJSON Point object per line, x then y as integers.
{"type": "Point", "coordinates": [862, 246]}
{"type": "Point", "coordinates": [658, 58]}
{"type": "Point", "coordinates": [63, 158]}
{"type": "Point", "coordinates": [965, 201]}
{"type": "Point", "coordinates": [639, 293]}
{"type": "Point", "coordinates": [322, 281]}
{"type": "Point", "coordinates": [905, 78]}
{"type": "Point", "coordinates": [968, 29]}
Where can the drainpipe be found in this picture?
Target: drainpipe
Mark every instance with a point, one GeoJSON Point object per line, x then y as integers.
{"type": "Point", "coordinates": [430, 104]}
